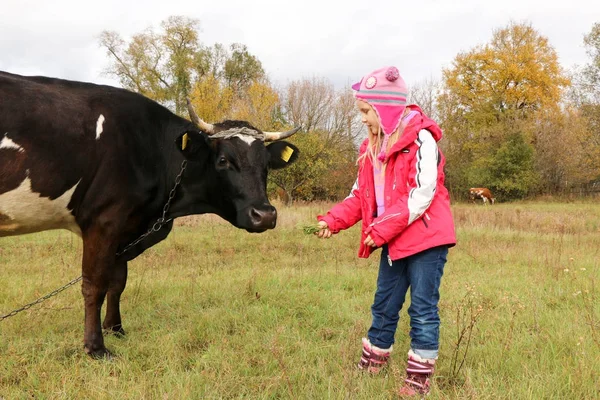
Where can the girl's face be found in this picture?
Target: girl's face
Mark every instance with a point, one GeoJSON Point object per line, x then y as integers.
{"type": "Point", "coordinates": [369, 117]}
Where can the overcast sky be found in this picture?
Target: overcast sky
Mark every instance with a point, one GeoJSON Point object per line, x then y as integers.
{"type": "Point", "coordinates": [339, 40]}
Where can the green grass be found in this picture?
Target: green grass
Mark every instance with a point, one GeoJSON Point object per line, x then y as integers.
{"type": "Point", "coordinates": [213, 312]}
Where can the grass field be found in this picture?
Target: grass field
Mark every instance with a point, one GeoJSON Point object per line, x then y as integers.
{"type": "Point", "coordinates": [213, 312]}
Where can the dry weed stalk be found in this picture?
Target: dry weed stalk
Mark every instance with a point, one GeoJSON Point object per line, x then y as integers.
{"type": "Point", "coordinates": [468, 312]}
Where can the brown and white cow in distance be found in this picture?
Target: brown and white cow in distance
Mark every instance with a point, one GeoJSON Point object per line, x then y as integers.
{"type": "Point", "coordinates": [483, 194]}
{"type": "Point", "coordinates": [102, 161]}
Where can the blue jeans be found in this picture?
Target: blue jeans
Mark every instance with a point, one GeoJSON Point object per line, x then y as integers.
{"type": "Point", "coordinates": [422, 272]}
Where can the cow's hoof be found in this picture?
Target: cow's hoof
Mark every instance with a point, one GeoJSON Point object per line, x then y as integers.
{"type": "Point", "coordinates": [116, 330]}
{"type": "Point", "coordinates": [99, 354]}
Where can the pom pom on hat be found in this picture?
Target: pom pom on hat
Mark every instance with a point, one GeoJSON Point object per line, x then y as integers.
{"type": "Point", "coordinates": [392, 74]}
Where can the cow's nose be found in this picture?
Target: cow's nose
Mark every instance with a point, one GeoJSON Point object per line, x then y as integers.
{"type": "Point", "coordinates": [265, 217]}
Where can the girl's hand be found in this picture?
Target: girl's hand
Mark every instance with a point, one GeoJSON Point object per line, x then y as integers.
{"type": "Point", "coordinates": [324, 231]}
{"type": "Point", "coordinates": [369, 242]}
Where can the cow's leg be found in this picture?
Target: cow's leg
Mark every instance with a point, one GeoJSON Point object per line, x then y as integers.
{"type": "Point", "coordinates": [484, 200]}
{"type": "Point", "coordinates": [112, 321]}
{"type": "Point", "coordinates": [98, 259]}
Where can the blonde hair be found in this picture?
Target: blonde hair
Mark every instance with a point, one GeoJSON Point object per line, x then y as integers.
{"type": "Point", "coordinates": [374, 145]}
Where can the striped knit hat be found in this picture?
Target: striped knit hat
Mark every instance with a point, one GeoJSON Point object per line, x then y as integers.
{"type": "Point", "coordinates": [385, 90]}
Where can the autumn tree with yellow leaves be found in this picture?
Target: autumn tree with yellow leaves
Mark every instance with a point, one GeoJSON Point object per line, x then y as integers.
{"type": "Point", "coordinates": [168, 64]}
{"type": "Point", "coordinates": [260, 106]}
{"type": "Point", "coordinates": [495, 94]}
{"type": "Point", "coordinates": [211, 98]}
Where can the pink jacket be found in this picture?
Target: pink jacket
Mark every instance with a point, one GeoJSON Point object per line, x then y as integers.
{"type": "Point", "coordinates": [417, 206]}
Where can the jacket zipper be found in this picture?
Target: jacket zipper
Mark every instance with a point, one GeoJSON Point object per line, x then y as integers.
{"type": "Point", "coordinates": [426, 216]}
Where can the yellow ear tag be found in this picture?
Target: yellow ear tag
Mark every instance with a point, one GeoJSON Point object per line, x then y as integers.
{"type": "Point", "coordinates": [287, 153]}
{"type": "Point", "coordinates": [184, 140]}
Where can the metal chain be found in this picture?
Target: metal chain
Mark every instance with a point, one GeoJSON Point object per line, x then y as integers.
{"type": "Point", "coordinates": [161, 221]}
{"type": "Point", "coordinates": [27, 306]}
{"type": "Point", "coordinates": [155, 228]}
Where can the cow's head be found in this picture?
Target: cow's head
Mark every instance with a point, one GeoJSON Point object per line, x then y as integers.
{"type": "Point", "coordinates": [240, 160]}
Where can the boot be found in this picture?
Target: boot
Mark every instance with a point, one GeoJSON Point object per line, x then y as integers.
{"type": "Point", "coordinates": [418, 374]}
{"type": "Point", "coordinates": [373, 358]}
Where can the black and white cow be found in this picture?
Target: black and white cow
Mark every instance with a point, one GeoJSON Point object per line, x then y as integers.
{"type": "Point", "coordinates": [101, 162]}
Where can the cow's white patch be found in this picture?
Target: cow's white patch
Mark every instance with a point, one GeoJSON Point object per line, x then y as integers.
{"type": "Point", "coordinates": [247, 139]}
{"type": "Point", "coordinates": [99, 126]}
{"type": "Point", "coordinates": [7, 143]}
{"type": "Point", "coordinates": [24, 211]}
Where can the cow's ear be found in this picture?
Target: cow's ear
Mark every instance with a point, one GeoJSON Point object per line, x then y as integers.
{"type": "Point", "coordinates": [192, 144]}
{"type": "Point", "coordinates": [282, 154]}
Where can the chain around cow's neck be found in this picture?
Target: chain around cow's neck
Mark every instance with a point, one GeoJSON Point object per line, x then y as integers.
{"type": "Point", "coordinates": [162, 220]}
{"type": "Point", "coordinates": [155, 228]}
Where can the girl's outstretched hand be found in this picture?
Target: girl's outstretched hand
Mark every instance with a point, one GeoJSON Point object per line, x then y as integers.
{"type": "Point", "coordinates": [324, 231]}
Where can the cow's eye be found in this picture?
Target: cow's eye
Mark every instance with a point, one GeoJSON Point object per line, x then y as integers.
{"type": "Point", "coordinates": [222, 161]}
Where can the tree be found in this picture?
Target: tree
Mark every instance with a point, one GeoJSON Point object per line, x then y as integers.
{"type": "Point", "coordinates": [425, 95]}
{"type": "Point", "coordinates": [511, 81]}
{"type": "Point", "coordinates": [260, 106]}
{"type": "Point", "coordinates": [584, 106]}
{"type": "Point", "coordinates": [180, 39]}
{"type": "Point", "coordinates": [308, 101]}
{"type": "Point", "coordinates": [511, 171]}
{"type": "Point", "coordinates": [169, 64]}
{"type": "Point", "coordinates": [590, 105]}
{"type": "Point", "coordinates": [242, 68]}
{"type": "Point", "coordinates": [303, 179]}
{"type": "Point", "coordinates": [334, 127]}
{"type": "Point", "coordinates": [563, 157]}
{"type": "Point", "coordinates": [211, 61]}
{"type": "Point", "coordinates": [158, 65]}
{"type": "Point", "coordinates": [516, 73]}
{"type": "Point", "coordinates": [345, 129]}
{"type": "Point", "coordinates": [592, 70]}
{"type": "Point", "coordinates": [315, 105]}
{"type": "Point", "coordinates": [211, 99]}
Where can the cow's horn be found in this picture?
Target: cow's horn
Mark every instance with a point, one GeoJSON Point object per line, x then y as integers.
{"type": "Point", "coordinates": [208, 128]}
{"type": "Point", "coordinates": [272, 136]}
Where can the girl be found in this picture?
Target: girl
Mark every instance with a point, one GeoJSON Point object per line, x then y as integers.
{"type": "Point", "coordinates": [405, 210]}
